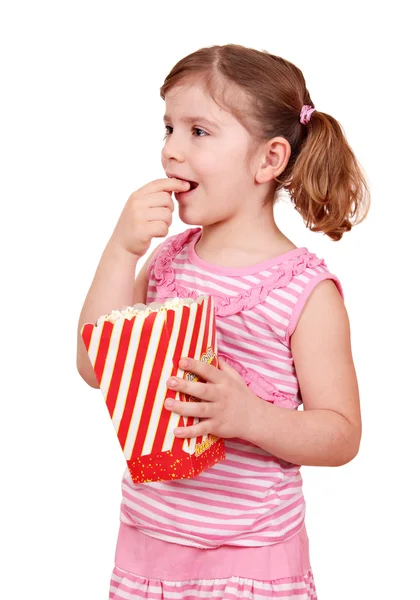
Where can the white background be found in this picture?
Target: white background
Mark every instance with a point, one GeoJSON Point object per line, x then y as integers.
{"type": "Point", "coordinates": [81, 129]}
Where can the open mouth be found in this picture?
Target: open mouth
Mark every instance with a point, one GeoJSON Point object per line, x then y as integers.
{"type": "Point", "coordinates": [193, 185]}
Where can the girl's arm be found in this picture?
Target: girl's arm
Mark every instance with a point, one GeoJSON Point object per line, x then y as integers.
{"type": "Point", "coordinates": [114, 286]}
{"type": "Point", "coordinates": [328, 431]}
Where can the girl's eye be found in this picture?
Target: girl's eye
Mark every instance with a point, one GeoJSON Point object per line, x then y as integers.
{"type": "Point", "coordinates": [194, 129]}
{"type": "Point", "coordinates": [202, 130]}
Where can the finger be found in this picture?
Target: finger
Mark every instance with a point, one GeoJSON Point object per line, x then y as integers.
{"type": "Point", "coordinates": [225, 367]}
{"type": "Point", "coordinates": [160, 214]}
{"type": "Point", "coordinates": [161, 200]}
{"type": "Point", "coordinates": [169, 184]}
{"type": "Point", "coordinates": [190, 388]}
{"type": "Point", "coordinates": [200, 410]}
{"type": "Point", "coordinates": [202, 428]}
{"type": "Point", "coordinates": [204, 370]}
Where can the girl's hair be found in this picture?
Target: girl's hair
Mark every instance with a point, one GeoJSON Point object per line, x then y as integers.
{"type": "Point", "coordinates": [265, 93]}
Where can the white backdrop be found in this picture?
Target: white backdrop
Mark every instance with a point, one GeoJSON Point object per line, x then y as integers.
{"type": "Point", "coordinates": [81, 129]}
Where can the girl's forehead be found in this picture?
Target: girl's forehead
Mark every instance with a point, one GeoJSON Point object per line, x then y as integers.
{"type": "Point", "coordinates": [186, 101]}
{"type": "Point", "coordinates": [188, 93]}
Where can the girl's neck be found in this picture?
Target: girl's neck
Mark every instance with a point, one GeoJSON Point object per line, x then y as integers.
{"type": "Point", "coordinates": [229, 245]}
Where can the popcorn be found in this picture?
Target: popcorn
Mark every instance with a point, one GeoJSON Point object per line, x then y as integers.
{"type": "Point", "coordinates": [133, 352]}
{"type": "Point", "coordinates": [128, 312]}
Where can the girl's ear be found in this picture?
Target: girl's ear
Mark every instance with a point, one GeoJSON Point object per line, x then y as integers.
{"type": "Point", "coordinates": [276, 156]}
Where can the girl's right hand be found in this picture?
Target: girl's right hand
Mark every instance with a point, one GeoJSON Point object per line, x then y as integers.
{"type": "Point", "coordinates": [147, 214]}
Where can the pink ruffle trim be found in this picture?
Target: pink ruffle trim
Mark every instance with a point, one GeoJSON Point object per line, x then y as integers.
{"type": "Point", "coordinates": [260, 385]}
{"type": "Point", "coordinates": [225, 305]}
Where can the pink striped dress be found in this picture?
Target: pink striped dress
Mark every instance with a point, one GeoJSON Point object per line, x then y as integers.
{"type": "Point", "coordinates": [237, 530]}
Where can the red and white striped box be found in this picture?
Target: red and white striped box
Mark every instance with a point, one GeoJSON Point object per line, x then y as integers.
{"type": "Point", "coordinates": [132, 359]}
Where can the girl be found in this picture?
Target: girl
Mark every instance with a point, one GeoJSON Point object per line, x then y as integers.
{"type": "Point", "coordinates": [240, 127]}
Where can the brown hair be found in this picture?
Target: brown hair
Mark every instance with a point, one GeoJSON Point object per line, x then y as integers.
{"type": "Point", "coordinates": [266, 93]}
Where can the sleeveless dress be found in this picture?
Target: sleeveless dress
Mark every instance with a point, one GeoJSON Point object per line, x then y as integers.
{"type": "Point", "coordinates": [237, 530]}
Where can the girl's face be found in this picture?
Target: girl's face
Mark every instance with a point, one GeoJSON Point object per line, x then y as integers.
{"type": "Point", "coordinates": [206, 144]}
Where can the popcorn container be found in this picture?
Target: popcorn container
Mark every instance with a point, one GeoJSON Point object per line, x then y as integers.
{"type": "Point", "coordinates": [132, 359]}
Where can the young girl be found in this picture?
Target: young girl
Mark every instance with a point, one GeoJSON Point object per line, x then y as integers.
{"type": "Point", "coordinates": [240, 127]}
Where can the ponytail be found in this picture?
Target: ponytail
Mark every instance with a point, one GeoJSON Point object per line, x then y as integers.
{"type": "Point", "coordinates": [327, 186]}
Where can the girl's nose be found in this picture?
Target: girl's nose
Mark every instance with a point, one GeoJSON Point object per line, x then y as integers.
{"type": "Point", "coordinates": [172, 150]}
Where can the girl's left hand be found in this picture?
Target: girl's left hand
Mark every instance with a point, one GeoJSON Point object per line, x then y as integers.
{"type": "Point", "coordinates": [228, 405]}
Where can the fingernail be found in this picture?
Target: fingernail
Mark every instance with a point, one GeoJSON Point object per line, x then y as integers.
{"type": "Point", "coordinates": [172, 382]}
{"type": "Point", "coordinates": [184, 363]}
{"type": "Point", "coordinates": [169, 402]}
{"type": "Point", "coordinates": [185, 184]}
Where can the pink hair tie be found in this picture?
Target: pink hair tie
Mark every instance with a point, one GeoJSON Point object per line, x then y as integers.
{"type": "Point", "coordinates": [305, 113]}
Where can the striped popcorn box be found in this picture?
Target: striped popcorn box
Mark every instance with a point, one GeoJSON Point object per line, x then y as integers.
{"type": "Point", "coordinates": [133, 354]}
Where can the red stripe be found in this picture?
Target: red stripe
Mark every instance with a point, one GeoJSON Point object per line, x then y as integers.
{"type": "Point", "coordinates": [87, 331]}
{"type": "Point", "coordinates": [186, 312]}
{"type": "Point", "coordinates": [133, 389]}
{"type": "Point", "coordinates": [165, 415]}
{"type": "Point", "coordinates": [205, 343]}
{"type": "Point", "coordinates": [196, 330]}
{"type": "Point", "coordinates": [192, 351]}
{"type": "Point", "coordinates": [208, 306]}
{"type": "Point", "coordinates": [150, 396]}
{"type": "Point", "coordinates": [120, 358]}
{"type": "Point", "coordinates": [103, 348]}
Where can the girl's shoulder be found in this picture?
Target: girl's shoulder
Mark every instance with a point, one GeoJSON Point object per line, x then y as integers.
{"type": "Point", "coordinates": [307, 276]}
{"type": "Point", "coordinates": [169, 249]}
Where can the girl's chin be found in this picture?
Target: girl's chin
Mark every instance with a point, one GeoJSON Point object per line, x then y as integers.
{"type": "Point", "coordinates": [191, 216]}
{"type": "Point", "coordinates": [183, 216]}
